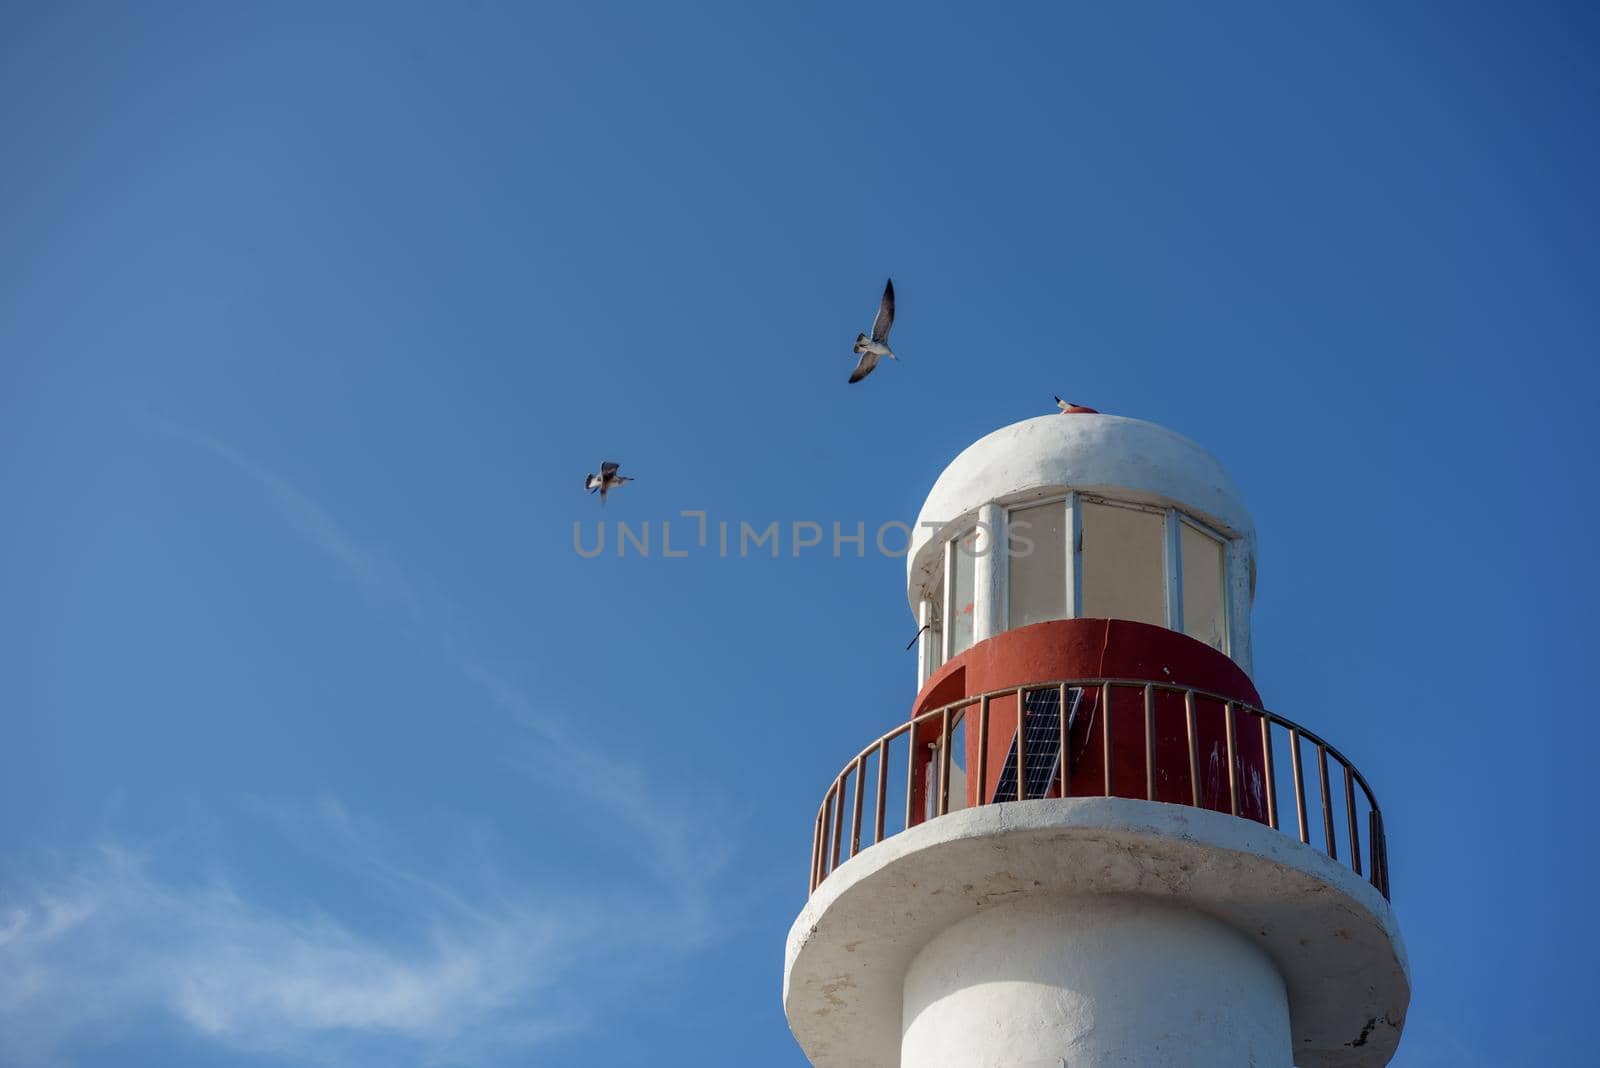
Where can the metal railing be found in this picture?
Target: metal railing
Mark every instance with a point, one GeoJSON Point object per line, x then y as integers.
{"type": "Point", "coordinates": [945, 724]}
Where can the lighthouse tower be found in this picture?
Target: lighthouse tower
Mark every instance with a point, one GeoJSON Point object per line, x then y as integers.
{"type": "Point", "coordinates": [1091, 843]}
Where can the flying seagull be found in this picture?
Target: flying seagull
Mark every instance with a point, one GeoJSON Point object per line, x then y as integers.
{"type": "Point", "coordinates": [605, 481]}
{"type": "Point", "coordinates": [1068, 408]}
{"type": "Point", "coordinates": [871, 348]}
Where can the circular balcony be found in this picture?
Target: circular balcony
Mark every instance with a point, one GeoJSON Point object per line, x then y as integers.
{"type": "Point", "coordinates": [1103, 737]}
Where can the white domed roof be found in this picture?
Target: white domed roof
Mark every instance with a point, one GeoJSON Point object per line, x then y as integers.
{"type": "Point", "coordinates": [1122, 458]}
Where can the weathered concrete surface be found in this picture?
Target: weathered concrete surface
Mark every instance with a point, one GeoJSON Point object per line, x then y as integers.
{"type": "Point", "coordinates": [1093, 980]}
{"type": "Point", "coordinates": [1330, 935]}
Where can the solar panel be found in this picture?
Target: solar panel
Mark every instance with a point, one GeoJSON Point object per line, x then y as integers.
{"type": "Point", "coordinates": [1041, 723]}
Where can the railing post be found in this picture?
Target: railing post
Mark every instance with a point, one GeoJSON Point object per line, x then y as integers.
{"type": "Point", "coordinates": [983, 750]}
{"type": "Point", "coordinates": [1233, 776]}
{"type": "Point", "coordinates": [1372, 847]}
{"type": "Point", "coordinates": [1382, 864]}
{"type": "Point", "coordinates": [827, 837]}
{"type": "Point", "coordinates": [1350, 819]}
{"type": "Point", "coordinates": [1061, 738]}
{"type": "Point", "coordinates": [1022, 745]}
{"type": "Point", "coordinates": [1380, 854]}
{"type": "Point", "coordinates": [816, 848]}
{"type": "Point", "coordinates": [1299, 785]}
{"type": "Point", "coordinates": [1149, 742]}
{"type": "Point", "coordinates": [855, 807]}
{"type": "Point", "coordinates": [1194, 748]}
{"type": "Point", "coordinates": [911, 771]}
{"type": "Point", "coordinates": [838, 817]}
{"type": "Point", "coordinates": [944, 764]}
{"type": "Point", "coordinates": [1272, 788]}
{"type": "Point", "coordinates": [883, 787]}
{"type": "Point", "coordinates": [1105, 731]}
{"type": "Point", "coordinates": [1327, 801]}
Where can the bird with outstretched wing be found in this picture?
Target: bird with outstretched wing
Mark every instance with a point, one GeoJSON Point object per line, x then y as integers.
{"type": "Point", "coordinates": [875, 346]}
{"type": "Point", "coordinates": [605, 481]}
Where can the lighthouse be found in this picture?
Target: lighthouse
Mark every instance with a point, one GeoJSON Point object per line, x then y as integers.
{"type": "Point", "coordinates": [1092, 842]}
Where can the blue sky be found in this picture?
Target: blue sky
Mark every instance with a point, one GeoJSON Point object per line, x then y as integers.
{"type": "Point", "coordinates": [322, 746]}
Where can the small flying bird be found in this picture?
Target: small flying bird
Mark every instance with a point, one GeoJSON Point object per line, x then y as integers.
{"type": "Point", "coordinates": [876, 346]}
{"type": "Point", "coordinates": [1068, 408]}
{"type": "Point", "coordinates": [605, 481]}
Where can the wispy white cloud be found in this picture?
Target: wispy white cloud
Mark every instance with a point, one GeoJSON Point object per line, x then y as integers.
{"type": "Point", "coordinates": [104, 942]}
{"type": "Point", "coordinates": [685, 849]}
{"type": "Point", "coordinates": [95, 948]}
{"type": "Point", "coordinates": [678, 847]}
{"type": "Point", "coordinates": [311, 520]}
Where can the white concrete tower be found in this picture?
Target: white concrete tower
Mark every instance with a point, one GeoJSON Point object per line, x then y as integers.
{"type": "Point", "coordinates": [1090, 843]}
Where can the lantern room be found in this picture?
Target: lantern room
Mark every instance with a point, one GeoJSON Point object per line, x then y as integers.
{"type": "Point", "coordinates": [1077, 516]}
{"type": "Point", "coordinates": [1080, 546]}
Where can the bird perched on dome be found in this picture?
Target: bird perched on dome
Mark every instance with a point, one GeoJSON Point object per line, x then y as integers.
{"type": "Point", "coordinates": [876, 346]}
{"type": "Point", "coordinates": [605, 481]}
{"type": "Point", "coordinates": [1068, 408]}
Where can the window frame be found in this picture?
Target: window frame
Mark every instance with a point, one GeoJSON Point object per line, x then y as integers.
{"type": "Point", "coordinates": [939, 602]}
{"type": "Point", "coordinates": [1224, 598]}
{"type": "Point", "coordinates": [1071, 538]}
{"type": "Point", "coordinates": [952, 545]}
{"type": "Point", "coordinates": [930, 646]}
{"type": "Point", "coordinates": [1169, 571]}
{"type": "Point", "coordinates": [1172, 556]}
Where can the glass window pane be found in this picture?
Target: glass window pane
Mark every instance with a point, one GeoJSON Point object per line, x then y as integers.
{"type": "Point", "coordinates": [1124, 564]}
{"type": "Point", "coordinates": [960, 622]}
{"type": "Point", "coordinates": [1037, 564]}
{"type": "Point", "coordinates": [1200, 557]}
